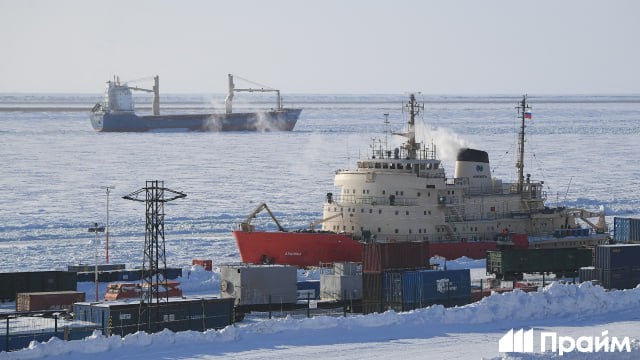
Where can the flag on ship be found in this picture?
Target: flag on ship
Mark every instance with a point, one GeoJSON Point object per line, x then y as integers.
{"type": "Point", "coordinates": [527, 114]}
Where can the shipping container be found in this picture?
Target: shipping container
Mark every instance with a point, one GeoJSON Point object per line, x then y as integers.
{"type": "Point", "coordinates": [625, 278]}
{"type": "Point", "coordinates": [626, 230]}
{"type": "Point", "coordinates": [426, 287]}
{"type": "Point", "coordinates": [372, 301]}
{"type": "Point", "coordinates": [511, 264]}
{"type": "Point", "coordinates": [123, 275]}
{"type": "Point", "coordinates": [378, 257]}
{"type": "Point", "coordinates": [122, 318]}
{"type": "Point", "coordinates": [588, 273]}
{"type": "Point", "coordinates": [411, 289]}
{"type": "Point", "coordinates": [617, 256]}
{"type": "Point", "coordinates": [206, 264]}
{"type": "Point", "coordinates": [101, 267]}
{"type": "Point", "coordinates": [259, 284]}
{"type": "Point", "coordinates": [55, 300]}
{"type": "Point", "coordinates": [36, 281]}
{"type": "Point", "coordinates": [340, 287]}
{"type": "Point", "coordinates": [309, 289]}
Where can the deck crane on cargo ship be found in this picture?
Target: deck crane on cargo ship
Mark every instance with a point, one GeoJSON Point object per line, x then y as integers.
{"type": "Point", "coordinates": [246, 224]}
{"type": "Point", "coordinates": [232, 89]}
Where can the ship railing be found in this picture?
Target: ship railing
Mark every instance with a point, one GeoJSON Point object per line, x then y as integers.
{"type": "Point", "coordinates": [374, 200]}
{"type": "Point", "coordinates": [431, 238]}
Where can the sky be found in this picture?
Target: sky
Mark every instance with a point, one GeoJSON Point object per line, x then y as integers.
{"type": "Point", "coordinates": [328, 46]}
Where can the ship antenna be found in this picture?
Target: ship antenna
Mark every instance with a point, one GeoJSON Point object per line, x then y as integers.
{"type": "Point", "coordinates": [414, 109]}
{"type": "Point", "coordinates": [386, 130]}
{"type": "Point", "coordinates": [523, 113]}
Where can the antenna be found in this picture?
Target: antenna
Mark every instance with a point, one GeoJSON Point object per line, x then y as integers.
{"type": "Point", "coordinates": [523, 112]}
{"type": "Point", "coordinates": [567, 192]}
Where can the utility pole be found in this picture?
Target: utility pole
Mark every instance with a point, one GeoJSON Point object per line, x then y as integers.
{"type": "Point", "coordinates": [96, 229]}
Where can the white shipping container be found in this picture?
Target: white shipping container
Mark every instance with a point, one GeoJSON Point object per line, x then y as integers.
{"type": "Point", "coordinates": [340, 287]}
{"type": "Point", "coordinates": [259, 284]}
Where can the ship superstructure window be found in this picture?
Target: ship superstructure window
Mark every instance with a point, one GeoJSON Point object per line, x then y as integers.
{"type": "Point", "coordinates": [361, 210]}
{"type": "Point", "coordinates": [396, 231]}
{"type": "Point", "coordinates": [379, 211]}
{"type": "Point", "coordinates": [370, 211]}
{"type": "Point", "coordinates": [407, 213]}
{"type": "Point", "coordinates": [418, 194]}
{"type": "Point", "coordinates": [396, 212]}
{"type": "Point", "coordinates": [379, 230]}
{"type": "Point", "coordinates": [384, 192]}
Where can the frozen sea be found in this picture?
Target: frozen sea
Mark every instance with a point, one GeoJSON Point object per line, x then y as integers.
{"type": "Point", "coordinates": [55, 166]}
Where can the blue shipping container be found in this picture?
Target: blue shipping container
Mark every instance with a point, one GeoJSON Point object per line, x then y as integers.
{"type": "Point", "coordinates": [626, 230]}
{"type": "Point", "coordinates": [426, 287]}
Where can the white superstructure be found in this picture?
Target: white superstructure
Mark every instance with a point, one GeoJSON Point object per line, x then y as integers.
{"type": "Point", "coordinates": [404, 195]}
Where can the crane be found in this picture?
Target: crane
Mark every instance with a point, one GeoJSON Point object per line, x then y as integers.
{"type": "Point", "coordinates": [155, 104]}
{"type": "Point", "coordinates": [232, 89]}
{"type": "Point", "coordinates": [246, 224]}
{"type": "Point", "coordinates": [318, 222]}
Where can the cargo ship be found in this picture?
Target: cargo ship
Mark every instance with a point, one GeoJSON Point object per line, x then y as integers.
{"type": "Point", "coordinates": [117, 113]}
{"type": "Point", "coordinates": [404, 195]}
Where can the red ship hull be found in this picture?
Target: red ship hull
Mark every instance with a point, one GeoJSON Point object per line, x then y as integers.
{"type": "Point", "coordinates": [305, 249]}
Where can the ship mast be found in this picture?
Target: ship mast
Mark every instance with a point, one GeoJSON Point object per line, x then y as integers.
{"type": "Point", "coordinates": [523, 109]}
{"type": "Point", "coordinates": [411, 146]}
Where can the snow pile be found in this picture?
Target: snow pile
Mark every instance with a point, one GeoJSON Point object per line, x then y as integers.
{"type": "Point", "coordinates": [196, 280]}
{"type": "Point", "coordinates": [460, 263]}
{"type": "Point", "coordinates": [556, 301]}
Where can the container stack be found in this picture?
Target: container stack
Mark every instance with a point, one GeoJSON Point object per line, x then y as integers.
{"type": "Point", "coordinates": [618, 266]}
{"type": "Point", "coordinates": [381, 259]}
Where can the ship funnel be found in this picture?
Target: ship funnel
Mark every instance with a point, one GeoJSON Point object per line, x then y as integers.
{"type": "Point", "coordinates": [474, 165]}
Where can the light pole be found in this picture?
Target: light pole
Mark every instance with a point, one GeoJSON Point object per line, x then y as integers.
{"type": "Point", "coordinates": [108, 188]}
{"type": "Point", "coordinates": [96, 229]}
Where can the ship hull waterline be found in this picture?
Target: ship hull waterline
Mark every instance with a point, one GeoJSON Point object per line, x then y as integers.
{"type": "Point", "coordinates": [308, 249]}
{"type": "Point", "coordinates": [283, 120]}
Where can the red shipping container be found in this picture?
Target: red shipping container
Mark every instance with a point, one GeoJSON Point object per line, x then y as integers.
{"type": "Point", "coordinates": [520, 241]}
{"type": "Point", "coordinates": [54, 300]}
{"type": "Point", "coordinates": [206, 264]}
{"type": "Point", "coordinates": [378, 257]}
